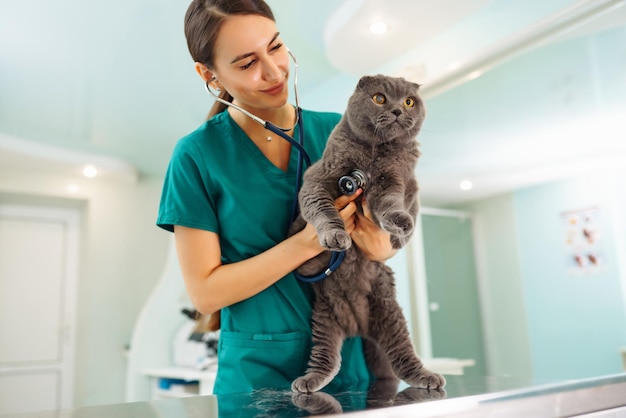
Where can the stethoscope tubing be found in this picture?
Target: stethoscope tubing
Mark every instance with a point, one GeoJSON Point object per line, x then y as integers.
{"type": "Point", "coordinates": [299, 144]}
{"type": "Point", "coordinates": [336, 257]}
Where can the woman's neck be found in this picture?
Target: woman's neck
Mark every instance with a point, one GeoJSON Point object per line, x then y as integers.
{"type": "Point", "coordinates": [283, 117]}
{"type": "Point", "coordinates": [275, 149]}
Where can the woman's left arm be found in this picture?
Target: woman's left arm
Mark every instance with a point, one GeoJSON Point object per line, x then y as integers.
{"type": "Point", "coordinates": [374, 242]}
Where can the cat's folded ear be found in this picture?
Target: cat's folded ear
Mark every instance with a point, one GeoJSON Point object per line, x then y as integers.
{"type": "Point", "coordinates": [364, 81]}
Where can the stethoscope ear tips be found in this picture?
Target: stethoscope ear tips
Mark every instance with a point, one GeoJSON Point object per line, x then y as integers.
{"type": "Point", "coordinates": [208, 87]}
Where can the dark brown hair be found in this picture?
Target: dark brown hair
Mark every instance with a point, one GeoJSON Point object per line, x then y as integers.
{"type": "Point", "coordinates": [203, 21]}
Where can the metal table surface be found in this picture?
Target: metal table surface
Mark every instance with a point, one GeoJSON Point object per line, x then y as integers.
{"type": "Point", "coordinates": [464, 396]}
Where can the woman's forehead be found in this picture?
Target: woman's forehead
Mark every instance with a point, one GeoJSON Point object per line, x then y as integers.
{"type": "Point", "coordinates": [243, 35]}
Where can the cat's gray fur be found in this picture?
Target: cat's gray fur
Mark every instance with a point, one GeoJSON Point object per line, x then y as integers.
{"type": "Point", "coordinates": [359, 297]}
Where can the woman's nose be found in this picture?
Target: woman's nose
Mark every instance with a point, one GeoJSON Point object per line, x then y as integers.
{"type": "Point", "coordinates": [271, 70]}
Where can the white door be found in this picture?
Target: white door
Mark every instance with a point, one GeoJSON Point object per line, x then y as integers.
{"type": "Point", "coordinates": [38, 275]}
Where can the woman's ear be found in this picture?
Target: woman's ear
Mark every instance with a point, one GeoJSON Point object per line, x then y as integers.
{"type": "Point", "coordinates": [204, 72]}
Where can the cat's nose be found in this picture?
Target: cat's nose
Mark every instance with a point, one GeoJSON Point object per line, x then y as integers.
{"type": "Point", "coordinates": [396, 112]}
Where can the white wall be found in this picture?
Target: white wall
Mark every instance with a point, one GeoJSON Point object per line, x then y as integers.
{"type": "Point", "coordinates": [505, 322]}
{"type": "Point", "coordinates": [122, 257]}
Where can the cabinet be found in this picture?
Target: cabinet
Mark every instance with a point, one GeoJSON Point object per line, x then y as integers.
{"type": "Point", "coordinates": [176, 382]}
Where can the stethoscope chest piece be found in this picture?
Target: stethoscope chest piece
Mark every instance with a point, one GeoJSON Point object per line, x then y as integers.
{"type": "Point", "coordinates": [348, 185]}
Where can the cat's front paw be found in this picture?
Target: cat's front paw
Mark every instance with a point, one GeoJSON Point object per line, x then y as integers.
{"type": "Point", "coordinates": [310, 382]}
{"type": "Point", "coordinates": [335, 240]}
{"type": "Point", "coordinates": [427, 380]}
{"type": "Point", "coordinates": [398, 223]}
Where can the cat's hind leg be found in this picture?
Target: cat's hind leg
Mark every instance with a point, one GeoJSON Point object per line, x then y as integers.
{"type": "Point", "coordinates": [377, 360]}
{"type": "Point", "coordinates": [325, 358]}
{"type": "Point", "coordinates": [388, 326]}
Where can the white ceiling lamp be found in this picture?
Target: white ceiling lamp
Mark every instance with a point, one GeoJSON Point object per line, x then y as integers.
{"type": "Point", "coordinates": [90, 171]}
{"type": "Point", "coordinates": [379, 27]}
{"type": "Point", "coordinates": [466, 185]}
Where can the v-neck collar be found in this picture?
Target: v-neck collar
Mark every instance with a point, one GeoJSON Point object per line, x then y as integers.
{"type": "Point", "coordinates": [241, 138]}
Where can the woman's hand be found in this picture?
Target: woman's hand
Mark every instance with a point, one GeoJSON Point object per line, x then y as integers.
{"type": "Point", "coordinates": [347, 210]}
{"type": "Point", "coordinates": [374, 242]}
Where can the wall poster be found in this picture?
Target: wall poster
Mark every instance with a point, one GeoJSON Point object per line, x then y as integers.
{"type": "Point", "coordinates": [583, 241]}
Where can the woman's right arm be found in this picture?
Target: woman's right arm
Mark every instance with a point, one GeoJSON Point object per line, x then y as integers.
{"type": "Point", "coordinates": [212, 285]}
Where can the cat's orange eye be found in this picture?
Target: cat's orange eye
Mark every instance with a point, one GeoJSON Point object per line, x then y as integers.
{"type": "Point", "coordinates": [409, 102]}
{"type": "Point", "coordinates": [379, 98]}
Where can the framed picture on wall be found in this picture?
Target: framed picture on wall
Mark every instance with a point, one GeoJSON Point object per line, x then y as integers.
{"type": "Point", "coordinates": [583, 241]}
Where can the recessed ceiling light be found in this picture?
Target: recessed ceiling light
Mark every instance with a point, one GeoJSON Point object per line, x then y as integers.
{"type": "Point", "coordinates": [466, 185]}
{"type": "Point", "coordinates": [90, 171]}
{"type": "Point", "coordinates": [378, 27]}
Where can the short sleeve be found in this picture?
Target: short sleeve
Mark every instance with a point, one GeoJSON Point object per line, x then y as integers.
{"type": "Point", "coordinates": [186, 198]}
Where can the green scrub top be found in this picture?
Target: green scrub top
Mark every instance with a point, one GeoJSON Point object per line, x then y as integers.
{"type": "Point", "coordinates": [219, 181]}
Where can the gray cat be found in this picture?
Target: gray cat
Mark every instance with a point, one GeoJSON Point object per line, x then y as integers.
{"type": "Point", "coordinates": [376, 135]}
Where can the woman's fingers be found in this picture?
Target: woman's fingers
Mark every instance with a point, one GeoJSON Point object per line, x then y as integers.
{"type": "Point", "coordinates": [350, 223]}
{"type": "Point", "coordinates": [347, 210]}
{"type": "Point", "coordinates": [343, 200]}
{"type": "Point", "coordinates": [366, 210]}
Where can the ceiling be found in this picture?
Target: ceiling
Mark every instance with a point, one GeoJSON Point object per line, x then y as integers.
{"type": "Point", "coordinates": [112, 84]}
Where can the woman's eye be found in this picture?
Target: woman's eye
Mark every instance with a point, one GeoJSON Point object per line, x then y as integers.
{"type": "Point", "coordinates": [409, 102]}
{"type": "Point", "coordinates": [248, 65]}
{"type": "Point", "coordinates": [251, 63]}
{"type": "Point", "coordinates": [379, 98]}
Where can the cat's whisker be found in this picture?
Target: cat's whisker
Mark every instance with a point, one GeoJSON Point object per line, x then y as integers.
{"type": "Point", "coordinates": [376, 130]}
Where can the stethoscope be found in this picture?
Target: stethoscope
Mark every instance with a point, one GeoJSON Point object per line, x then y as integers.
{"type": "Point", "coordinates": [336, 256]}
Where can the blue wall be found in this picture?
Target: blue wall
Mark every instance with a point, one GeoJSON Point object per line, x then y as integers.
{"type": "Point", "coordinates": [576, 316]}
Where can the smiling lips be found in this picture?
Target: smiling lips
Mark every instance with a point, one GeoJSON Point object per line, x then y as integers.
{"type": "Point", "coordinates": [277, 89]}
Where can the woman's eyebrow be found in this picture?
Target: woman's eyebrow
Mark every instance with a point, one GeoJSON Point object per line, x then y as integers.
{"type": "Point", "coordinates": [246, 55]}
